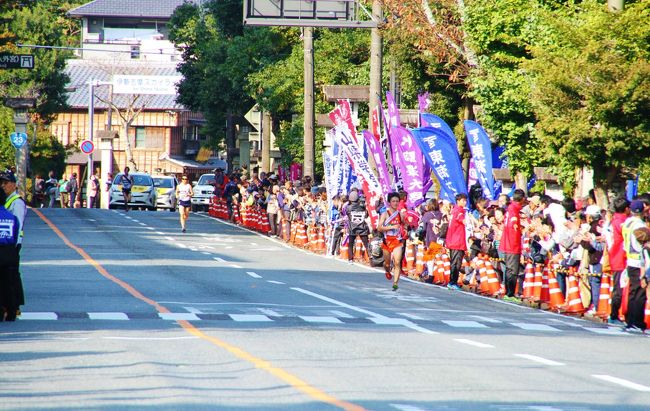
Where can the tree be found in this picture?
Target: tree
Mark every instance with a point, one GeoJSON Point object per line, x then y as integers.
{"type": "Point", "coordinates": [591, 92]}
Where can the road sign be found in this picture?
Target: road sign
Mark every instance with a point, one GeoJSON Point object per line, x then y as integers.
{"type": "Point", "coordinates": [87, 147]}
{"type": "Point", "coordinates": [307, 13]}
{"type": "Point", "coordinates": [16, 61]}
{"type": "Point", "coordinates": [18, 139]}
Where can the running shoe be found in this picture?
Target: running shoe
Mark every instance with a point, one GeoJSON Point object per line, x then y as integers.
{"type": "Point", "coordinates": [388, 275]}
{"type": "Point", "coordinates": [453, 287]}
{"type": "Point", "coordinates": [395, 287]}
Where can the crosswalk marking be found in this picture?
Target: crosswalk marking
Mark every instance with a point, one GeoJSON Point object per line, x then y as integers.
{"type": "Point", "coordinates": [108, 316]}
{"type": "Point", "coordinates": [250, 317]}
{"type": "Point", "coordinates": [39, 316]}
{"type": "Point", "coordinates": [411, 316]}
{"type": "Point", "coordinates": [341, 314]}
{"type": "Point", "coordinates": [486, 319]}
{"type": "Point", "coordinates": [321, 319]}
{"type": "Point", "coordinates": [538, 359]}
{"type": "Point", "coordinates": [464, 324]}
{"type": "Point", "coordinates": [268, 311]}
{"type": "Point", "coordinates": [178, 316]}
{"type": "Point", "coordinates": [534, 327]}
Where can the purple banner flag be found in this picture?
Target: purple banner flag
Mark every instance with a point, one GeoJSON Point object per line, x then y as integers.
{"type": "Point", "coordinates": [481, 148]}
{"type": "Point", "coordinates": [441, 154]}
{"type": "Point", "coordinates": [393, 111]}
{"type": "Point", "coordinates": [380, 160]}
{"type": "Point", "coordinates": [423, 102]}
{"type": "Point", "coordinates": [411, 164]}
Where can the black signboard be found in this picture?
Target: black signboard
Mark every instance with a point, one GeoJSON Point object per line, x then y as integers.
{"type": "Point", "coordinates": [16, 61]}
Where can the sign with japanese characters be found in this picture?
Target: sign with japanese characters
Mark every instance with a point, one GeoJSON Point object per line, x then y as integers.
{"type": "Point", "coordinates": [136, 84]}
{"type": "Point", "coordinates": [481, 148]}
{"type": "Point", "coordinates": [16, 61]}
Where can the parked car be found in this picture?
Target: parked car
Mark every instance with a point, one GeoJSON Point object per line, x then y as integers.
{"type": "Point", "coordinates": [203, 192]}
{"type": "Point", "coordinates": [166, 188]}
{"type": "Point", "coordinates": [143, 192]}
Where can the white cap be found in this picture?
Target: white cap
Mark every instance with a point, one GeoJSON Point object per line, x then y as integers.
{"type": "Point", "coordinates": [593, 210]}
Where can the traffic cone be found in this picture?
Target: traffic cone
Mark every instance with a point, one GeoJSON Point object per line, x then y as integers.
{"type": "Point", "coordinates": [410, 257]}
{"type": "Point", "coordinates": [236, 214]}
{"type": "Point", "coordinates": [529, 281]}
{"type": "Point", "coordinates": [343, 251]}
{"type": "Point", "coordinates": [446, 262]}
{"type": "Point", "coordinates": [574, 301]}
{"type": "Point", "coordinates": [419, 259]}
{"type": "Point", "coordinates": [294, 227]}
{"type": "Point", "coordinates": [604, 303]}
{"type": "Point", "coordinates": [481, 273]}
{"type": "Point", "coordinates": [266, 225]}
{"type": "Point", "coordinates": [537, 283]}
{"type": "Point", "coordinates": [320, 240]}
{"type": "Point", "coordinates": [556, 298]}
{"type": "Point", "coordinates": [494, 286]}
{"type": "Point", "coordinates": [544, 296]}
{"type": "Point", "coordinates": [301, 235]}
{"type": "Point", "coordinates": [358, 249]}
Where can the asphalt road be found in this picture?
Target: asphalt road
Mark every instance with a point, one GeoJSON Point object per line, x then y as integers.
{"type": "Point", "coordinates": [126, 312]}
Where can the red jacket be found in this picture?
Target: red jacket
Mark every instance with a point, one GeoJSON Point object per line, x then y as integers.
{"type": "Point", "coordinates": [511, 237]}
{"type": "Point", "coordinates": [455, 239]}
{"type": "Point", "coordinates": [617, 257]}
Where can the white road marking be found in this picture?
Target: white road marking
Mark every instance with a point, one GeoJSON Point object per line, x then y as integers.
{"type": "Point", "coordinates": [149, 338]}
{"type": "Point", "coordinates": [464, 324]}
{"type": "Point", "coordinates": [566, 323]}
{"type": "Point", "coordinates": [181, 245]}
{"type": "Point", "coordinates": [160, 233]}
{"type": "Point", "coordinates": [193, 249]}
{"type": "Point", "coordinates": [206, 253]}
{"type": "Point", "coordinates": [134, 220]}
{"type": "Point", "coordinates": [606, 331]}
{"type": "Point", "coordinates": [268, 311]}
{"type": "Point", "coordinates": [320, 319]}
{"type": "Point", "coordinates": [473, 343]}
{"type": "Point", "coordinates": [535, 327]}
{"type": "Point", "coordinates": [411, 316]}
{"type": "Point", "coordinates": [407, 407]}
{"type": "Point", "coordinates": [252, 274]}
{"type": "Point", "coordinates": [228, 248]}
{"type": "Point", "coordinates": [235, 266]}
{"type": "Point", "coordinates": [485, 319]}
{"type": "Point", "coordinates": [150, 228]}
{"type": "Point", "coordinates": [253, 243]}
{"type": "Point", "coordinates": [538, 359]}
{"type": "Point", "coordinates": [38, 316]}
{"type": "Point", "coordinates": [193, 310]}
{"type": "Point", "coordinates": [219, 259]}
{"type": "Point", "coordinates": [275, 282]}
{"type": "Point", "coordinates": [401, 321]}
{"type": "Point", "coordinates": [622, 382]}
{"type": "Point", "coordinates": [178, 316]}
{"type": "Point", "coordinates": [108, 316]}
{"type": "Point", "coordinates": [341, 314]}
{"type": "Point", "coordinates": [142, 224]}
{"type": "Point", "coordinates": [169, 238]}
{"type": "Point", "coordinates": [339, 303]}
{"type": "Point", "coordinates": [250, 317]}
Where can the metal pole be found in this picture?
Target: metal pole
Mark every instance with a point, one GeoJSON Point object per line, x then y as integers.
{"type": "Point", "coordinates": [20, 121]}
{"type": "Point", "coordinates": [376, 56]}
{"type": "Point", "coordinates": [308, 167]}
{"type": "Point", "coordinates": [91, 127]}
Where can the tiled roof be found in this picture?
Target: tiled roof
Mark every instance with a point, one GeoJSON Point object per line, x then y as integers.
{"type": "Point", "coordinates": [127, 8]}
{"type": "Point", "coordinates": [82, 71]}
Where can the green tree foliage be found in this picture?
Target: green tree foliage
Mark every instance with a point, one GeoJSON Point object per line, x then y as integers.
{"type": "Point", "coordinates": [47, 153]}
{"type": "Point", "coordinates": [591, 92]}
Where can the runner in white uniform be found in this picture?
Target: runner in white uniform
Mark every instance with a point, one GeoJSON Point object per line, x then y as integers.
{"type": "Point", "coordinates": [184, 195]}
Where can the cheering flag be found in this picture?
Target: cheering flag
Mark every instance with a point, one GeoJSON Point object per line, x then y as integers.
{"type": "Point", "coordinates": [380, 160]}
{"type": "Point", "coordinates": [441, 154]}
{"type": "Point", "coordinates": [481, 148]}
{"type": "Point", "coordinates": [410, 163]}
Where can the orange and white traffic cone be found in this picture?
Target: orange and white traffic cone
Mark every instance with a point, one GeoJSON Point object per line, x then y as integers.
{"type": "Point", "coordinates": [358, 249]}
{"type": "Point", "coordinates": [493, 286]}
{"type": "Point", "coordinates": [481, 273]}
{"type": "Point", "coordinates": [343, 251]}
{"type": "Point", "coordinates": [292, 238]}
{"type": "Point", "coordinates": [446, 263]}
{"type": "Point", "coordinates": [529, 281]}
{"type": "Point", "coordinates": [301, 235]}
{"type": "Point", "coordinates": [537, 283]}
{"type": "Point", "coordinates": [573, 296]}
{"type": "Point", "coordinates": [556, 298]}
{"type": "Point", "coordinates": [320, 240]}
{"type": "Point", "coordinates": [604, 303]}
{"type": "Point", "coordinates": [544, 296]}
{"type": "Point", "coordinates": [419, 259]}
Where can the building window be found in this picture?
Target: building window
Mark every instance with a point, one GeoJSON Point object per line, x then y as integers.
{"type": "Point", "coordinates": [140, 137]}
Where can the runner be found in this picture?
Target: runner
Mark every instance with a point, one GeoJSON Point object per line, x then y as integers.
{"type": "Point", "coordinates": [127, 183]}
{"type": "Point", "coordinates": [390, 224]}
{"type": "Point", "coordinates": [184, 194]}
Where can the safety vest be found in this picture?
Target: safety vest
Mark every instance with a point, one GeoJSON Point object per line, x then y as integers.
{"type": "Point", "coordinates": [10, 200]}
{"type": "Point", "coordinates": [630, 244]}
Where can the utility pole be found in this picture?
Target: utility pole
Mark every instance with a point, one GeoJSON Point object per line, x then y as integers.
{"type": "Point", "coordinates": [266, 141]}
{"type": "Point", "coordinates": [376, 54]}
{"type": "Point", "coordinates": [308, 166]}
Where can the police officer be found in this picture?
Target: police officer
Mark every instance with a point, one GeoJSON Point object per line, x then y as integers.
{"type": "Point", "coordinates": [633, 249]}
{"type": "Point", "coordinates": [9, 277]}
{"type": "Point", "coordinates": [15, 205]}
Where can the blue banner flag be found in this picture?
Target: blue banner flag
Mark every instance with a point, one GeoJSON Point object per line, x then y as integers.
{"type": "Point", "coordinates": [431, 120]}
{"type": "Point", "coordinates": [441, 154]}
{"type": "Point", "coordinates": [481, 148]}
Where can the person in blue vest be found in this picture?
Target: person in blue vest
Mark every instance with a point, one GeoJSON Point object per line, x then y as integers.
{"type": "Point", "coordinates": [15, 204]}
{"type": "Point", "coordinates": [10, 285]}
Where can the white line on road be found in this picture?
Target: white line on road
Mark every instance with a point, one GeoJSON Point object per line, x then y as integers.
{"type": "Point", "coordinates": [473, 343]}
{"type": "Point", "coordinates": [38, 316]}
{"type": "Point", "coordinates": [341, 314]}
{"type": "Point", "coordinates": [411, 316]}
{"type": "Point", "coordinates": [538, 359]}
{"type": "Point", "coordinates": [150, 228]}
{"type": "Point", "coordinates": [407, 407]}
{"type": "Point", "coordinates": [464, 324]}
{"type": "Point", "coordinates": [252, 274]}
{"type": "Point", "coordinates": [150, 338]}
{"type": "Point", "coordinates": [320, 319]}
{"type": "Point", "coordinates": [142, 224]}
{"type": "Point", "coordinates": [623, 383]}
{"type": "Point", "coordinates": [169, 238]}
{"type": "Point", "coordinates": [182, 245]}
{"type": "Point", "coordinates": [219, 259]}
{"type": "Point", "coordinates": [486, 319]}
{"type": "Point", "coordinates": [235, 266]}
{"type": "Point", "coordinates": [108, 316]}
{"type": "Point", "coordinates": [134, 220]}
{"type": "Point", "coordinates": [339, 303]}
{"type": "Point", "coordinates": [160, 233]}
{"type": "Point", "coordinates": [193, 310]}
{"type": "Point", "coordinates": [178, 316]}
{"type": "Point", "coordinates": [268, 311]}
{"type": "Point", "coordinates": [206, 253]}
{"type": "Point", "coordinates": [249, 317]}
{"type": "Point", "coordinates": [534, 327]}
{"type": "Point", "coordinates": [275, 282]}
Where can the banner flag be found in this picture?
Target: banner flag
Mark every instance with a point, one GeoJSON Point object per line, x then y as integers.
{"type": "Point", "coordinates": [423, 102]}
{"type": "Point", "coordinates": [481, 148]}
{"type": "Point", "coordinates": [393, 111]}
{"type": "Point", "coordinates": [411, 164]}
{"type": "Point", "coordinates": [380, 161]}
{"type": "Point", "coordinates": [374, 123]}
{"type": "Point", "coordinates": [441, 152]}
{"type": "Point", "coordinates": [431, 120]}
{"type": "Point", "coordinates": [391, 153]}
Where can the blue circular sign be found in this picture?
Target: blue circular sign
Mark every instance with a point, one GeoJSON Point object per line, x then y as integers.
{"type": "Point", "coordinates": [87, 147]}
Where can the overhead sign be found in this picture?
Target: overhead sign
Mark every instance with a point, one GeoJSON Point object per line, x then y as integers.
{"type": "Point", "coordinates": [18, 139]}
{"type": "Point", "coordinates": [87, 147]}
{"type": "Point", "coordinates": [16, 61]}
{"type": "Point", "coordinates": [134, 84]}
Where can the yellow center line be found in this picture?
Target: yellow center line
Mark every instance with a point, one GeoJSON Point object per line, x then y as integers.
{"type": "Point", "coordinates": [284, 375]}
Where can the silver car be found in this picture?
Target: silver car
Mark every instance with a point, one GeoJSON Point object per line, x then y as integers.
{"type": "Point", "coordinates": [166, 188]}
{"type": "Point", "coordinates": [143, 192]}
